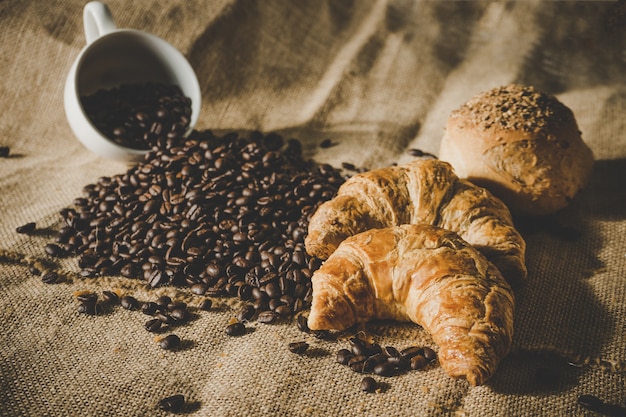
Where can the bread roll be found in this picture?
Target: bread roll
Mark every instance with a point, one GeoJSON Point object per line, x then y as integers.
{"type": "Point", "coordinates": [522, 145]}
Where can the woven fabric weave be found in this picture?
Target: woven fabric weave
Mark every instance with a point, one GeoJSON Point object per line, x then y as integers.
{"type": "Point", "coordinates": [377, 78]}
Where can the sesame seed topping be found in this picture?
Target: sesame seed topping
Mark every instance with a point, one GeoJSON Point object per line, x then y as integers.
{"type": "Point", "coordinates": [515, 107]}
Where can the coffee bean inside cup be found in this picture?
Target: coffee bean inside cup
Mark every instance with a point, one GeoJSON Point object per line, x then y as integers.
{"type": "Point", "coordinates": [139, 116]}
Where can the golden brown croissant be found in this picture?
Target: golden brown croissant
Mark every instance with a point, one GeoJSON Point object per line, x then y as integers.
{"type": "Point", "coordinates": [427, 275]}
{"type": "Point", "coordinates": [423, 191]}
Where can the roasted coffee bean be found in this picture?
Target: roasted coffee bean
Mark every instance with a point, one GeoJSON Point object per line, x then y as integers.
{"type": "Point", "coordinates": [205, 304]}
{"type": "Point", "coordinates": [149, 308]}
{"type": "Point", "coordinates": [418, 362]}
{"type": "Point", "coordinates": [173, 404]}
{"type": "Point", "coordinates": [369, 384]}
{"type": "Point", "coordinates": [267, 317]}
{"type": "Point", "coordinates": [180, 314]}
{"type": "Point", "coordinates": [326, 143]}
{"type": "Point", "coordinates": [129, 302]}
{"type": "Point", "coordinates": [344, 356]}
{"type": "Point", "coordinates": [411, 351]}
{"type": "Point", "coordinates": [429, 354]}
{"type": "Point", "coordinates": [590, 402]}
{"type": "Point", "coordinates": [110, 297]}
{"type": "Point", "coordinates": [303, 324]}
{"type": "Point", "coordinates": [298, 347]}
{"type": "Point", "coordinates": [371, 362]}
{"type": "Point", "coordinates": [87, 297]}
{"type": "Point", "coordinates": [26, 228]}
{"type": "Point", "coordinates": [163, 301]}
{"type": "Point", "coordinates": [88, 308]}
{"type": "Point", "coordinates": [165, 318]}
{"type": "Point", "coordinates": [4, 151]}
{"type": "Point", "coordinates": [55, 250]}
{"type": "Point", "coordinates": [169, 342]}
{"type": "Point", "coordinates": [385, 369]}
{"type": "Point", "coordinates": [153, 325]}
{"type": "Point", "coordinates": [50, 277]}
{"type": "Point", "coordinates": [235, 329]}
{"type": "Point", "coordinates": [357, 346]}
{"type": "Point", "coordinates": [246, 312]}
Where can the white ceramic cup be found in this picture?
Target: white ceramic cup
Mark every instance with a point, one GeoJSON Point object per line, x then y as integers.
{"type": "Point", "coordinates": [113, 57]}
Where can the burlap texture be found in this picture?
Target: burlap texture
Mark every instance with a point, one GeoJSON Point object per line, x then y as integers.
{"type": "Point", "coordinates": [376, 77]}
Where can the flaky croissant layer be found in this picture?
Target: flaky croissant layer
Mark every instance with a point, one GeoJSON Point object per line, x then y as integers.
{"type": "Point", "coordinates": [423, 191]}
{"type": "Point", "coordinates": [427, 275]}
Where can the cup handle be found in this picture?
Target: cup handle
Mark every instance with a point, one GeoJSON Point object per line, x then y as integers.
{"type": "Point", "coordinates": [97, 20]}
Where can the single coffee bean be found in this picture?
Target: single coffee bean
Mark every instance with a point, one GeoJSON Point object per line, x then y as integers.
{"type": "Point", "coordinates": [163, 301]}
{"type": "Point", "coordinates": [246, 312]}
{"type": "Point", "coordinates": [385, 369]}
{"type": "Point", "coordinates": [357, 346]}
{"type": "Point", "coordinates": [26, 228]}
{"type": "Point", "coordinates": [267, 317]}
{"type": "Point", "coordinates": [180, 314]}
{"type": "Point", "coordinates": [50, 277]}
{"type": "Point", "coordinates": [344, 356]}
{"type": "Point", "coordinates": [590, 402]}
{"type": "Point", "coordinates": [129, 302]}
{"type": "Point", "coordinates": [88, 308]}
{"type": "Point", "coordinates": [235, 329]}
{"type": "Point", "coordinates": [153, 325]}
{"type": "Point", "coordinates": [169, 342]}
{"type": "Point", "coordinates": [87, 297]}
{"type": "Point", "coordinates": [429, 354]}
{"type": "Point", "coordinates": [110, 297]}
{"type": "Point", "coordinates": [418, 362]}
{"type": "Point", "coordinates": [298, 347]}
{"type": "Point", "coordinates": [165, 318]}
{"type": "Point", "coordinates": [411, 351]}
{"type": "Point", "coordinates": [55, 250]}
{"type": "Point", "coordinates": [369, 384]}
{"type": "Point", "coordinates": [173, 404]}
{"type": "Point", "coordinates": [205, 304]}
{"type": "Point", "coordinates": [149, 308]}
{"type": "Point", "coordinates": [303, 324]}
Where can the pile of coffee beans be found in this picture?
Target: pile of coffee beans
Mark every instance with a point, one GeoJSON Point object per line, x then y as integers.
{"type": "Point", "coordinates": [224, 216]}
{"type": "Point", "coordinates": [366, 358]}
{"type": "Point", "coordinates": [140, 116]}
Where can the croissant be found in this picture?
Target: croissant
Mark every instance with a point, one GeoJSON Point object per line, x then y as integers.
{"type": "Point", "coordinates": [423, 191]}
{"type": "Point", "coordinates": [427, 275]}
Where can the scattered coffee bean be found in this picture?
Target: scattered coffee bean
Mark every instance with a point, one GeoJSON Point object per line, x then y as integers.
{"type": "Point", "coordinates": [110, 297]}
{"type": "Point", "coordinates": [4, 151]}
{"type": "Point", "coordinates": [385, 369]}
{"type": "Point", "coordinates": [419, 153]}
{"type": "Point", "coordinates": [326, 143]}
{"type": "Point", "coordinates": [169, 342]}
{"type": "Point", "coordinates": [298, 347]}
{"type": "Point", "coordinates": [303, 324]}
{"type": "Point", "coordinates": [149, 308]}
{"type": "Point", "coordinates": [129, 302]}
{"type": "Point", "coordinates": [246, 312]}
{"type": "Point", "coordinates": [267, 317]}
{"type": "Point", "coordinates": [26, 228]}
{"type": "Point", "coordinates": [153, 325]}
{"type": "Point", "coordinates": [369, 384]}
{"type": "Point", "coordinates": [50, 277]}
{"type": "Point", "coordinates": [205, 304]}
{"type": "Point", "coordinates": [590, 402]}
{"type": "Point", "coordinates": [343, 356]}
{"type": "Point", "coordinates": [418, 362]}
{"type": "Point", "coordinates": [55, 250]}
{"type": "Point", "coordinates": [87, 297]}
{"type": "Point", "coordinates": [173, 404]}
{"type": "Point", "coordinates": [429, 354]}
{"type": "Point", "coordinates": [34, 271]}
{"type": "Point", "coordinates": [88, 308]}
{"type": "Point", "coordinates": [235, 329]}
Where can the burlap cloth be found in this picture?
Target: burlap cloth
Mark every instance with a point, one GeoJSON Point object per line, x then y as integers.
{"type": "Point", "coordinates": [376, 77]}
